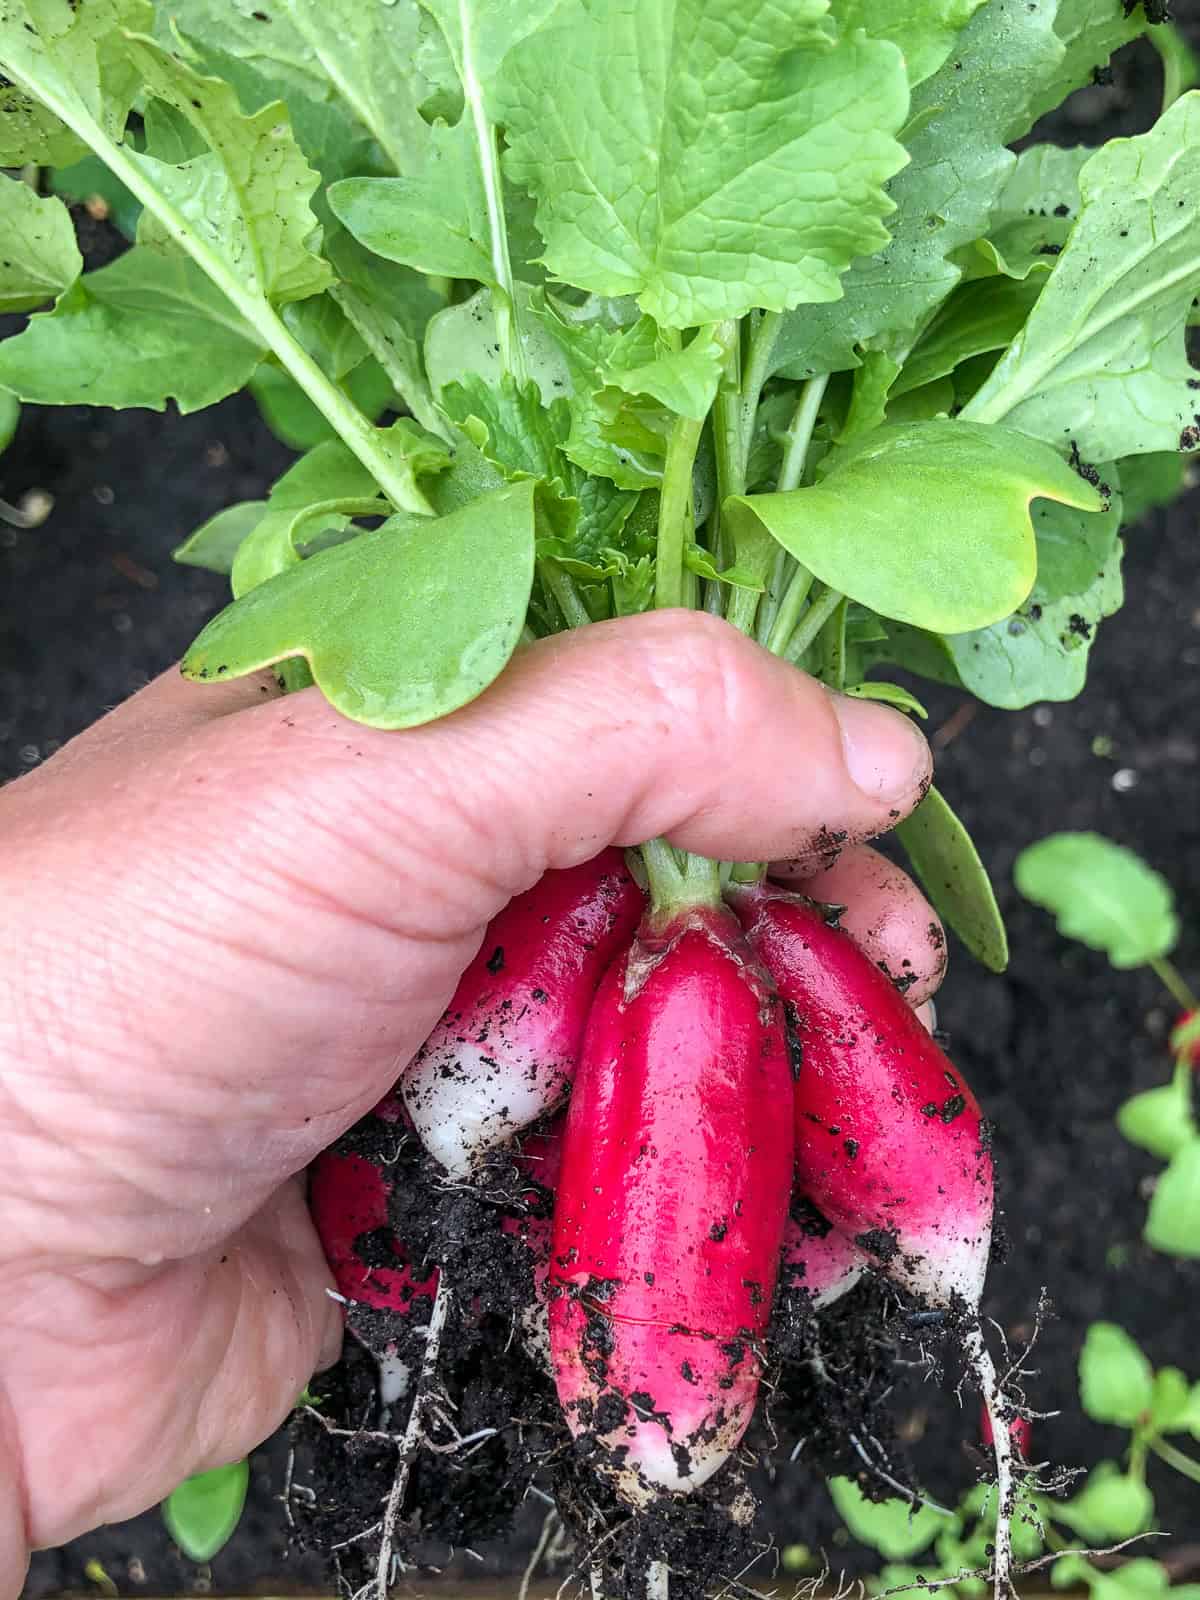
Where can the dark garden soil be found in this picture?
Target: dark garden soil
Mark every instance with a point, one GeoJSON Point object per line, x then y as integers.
{"type": "Point", "coordinates": [92, 606]}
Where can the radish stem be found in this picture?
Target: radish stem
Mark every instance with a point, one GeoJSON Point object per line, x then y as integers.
{"type": "Point", "coordinates": [800, 432]}
{"type": "Point", "coordinates": [658, 1581]}
{"type": "Point", "coordinates": [788, 613]}
{"type": "Point", "coordinates": [1179, 1459]}
{"type": "Point", "coordinates": [1173, 982]}
{"type": "Point", "coordinates": [980, 1361]}
{"type": "Point", "coordinates": [810, 625]}
{"type": "Point", "coordinates": [762, 347]}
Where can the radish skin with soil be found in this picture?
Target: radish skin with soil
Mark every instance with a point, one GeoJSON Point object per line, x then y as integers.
{"type": "Point", "coordinates": [890, 1141]}
{"type": "Point", "coordinates": [672, 1204]}
{"type": "Point", "coordinates": [505, 1051]}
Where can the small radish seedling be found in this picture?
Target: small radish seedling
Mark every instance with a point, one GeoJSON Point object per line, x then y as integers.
{"type": "Point", "coordinates": [1107, 897]}
{"type": "Point", "coordinates": [505, 1051]}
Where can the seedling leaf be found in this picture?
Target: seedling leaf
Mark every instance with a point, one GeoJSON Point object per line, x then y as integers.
{"type": "Point", "coordinates": [895, 1528]}
{"type": "Point", "coordinates": [1160, 1120]}
{"type": "Point", "coordinates": [1116, 1382]}
{"type": "Point", "coordinates": [1173, 1224]}
{"type": "Point", "coordinates": [1101, 894]}
{"type": "Point", "coordinates": [202, 1513]}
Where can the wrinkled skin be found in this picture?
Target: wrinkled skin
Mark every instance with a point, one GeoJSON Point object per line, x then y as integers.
{"type": "Point", "coordinates": [230, 919]}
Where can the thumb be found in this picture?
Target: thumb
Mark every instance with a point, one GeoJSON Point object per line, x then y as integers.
{"type": "Point", "coordinates": [671, 723]}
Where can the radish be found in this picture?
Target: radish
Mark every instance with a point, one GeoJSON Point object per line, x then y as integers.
{"type": "Point", "coordinates": [348, 1195]}
{"type": "Point", "coordinates": [505, 1049]}
{"type": "Point", "coordinates": [818, 1261]}
{"type": "Point", "coordinates": [672, 1203]}
{"type": "Point", "coordinates": [890, 1141]}
{"type": "Point", "coordinates": [1020, 1431]}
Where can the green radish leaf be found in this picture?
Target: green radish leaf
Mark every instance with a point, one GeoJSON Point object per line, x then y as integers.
{"type": "Point", "coordinates": [981, 316]}
{"type": "Point", "coordinates": [1041, 651]}
{"type": "Point", "coordinates": [707, 170]}
{"type": "Point", "coordinates": [925, 30]}
{"type": "Point", "coordinates": [203, 1511]}
{"type": "Point", "coordinates": [947, 863]}
{"type": "Point", "coordinates": [435, 221]}
{"type": "Point", "coordinates": [273, 49]}
{"type": "Point", "coordinates": [989, 92]}
{"type": "Point", "coordinates": [930, 401]}
{"type": "Point", "coordinates": [1161, 1120]}
{"type": "Point", "coordinates": [1102, 360]}
{"type": "Point", "coordinates": [41, 258]}
{"type": "Point", "coordinates": [891, 694]}
{"type": "Point", "coordinates": [1173, 1224]}
{"type": "Point", "coordinates": [897, 1529]}
{"type": "Point", "coordinates": [869, 398]}
{"type": "Point", "coordinates": [392, 307]}
{"type": "Point", "coordinates": [400, 626]}
{"type": "Point", "coordinates": [139, 332]}
{"type": "Point", "coordinates": [328, 335]}
{"type": "Point", "coordinates": [214, 544]}
{"type": "Point", "coordinates": [460, 343]}
{"type": "Point", "coordinates": [326, 483]}
{"type": "Point", "coordinates": [1101, 894]}
{"type": "Point", "coordinates": [372, 54]}
{"type": "Point", "coordinates": [1035, 212]}
{"type": "Point", "coordinates": [72, 59]}
{"type": "Point", "coordinates": [1090, 33]}
{"type": "Point", "coordinates": [509, 425]}
{"type": "Point", "coordinates": [250, 198]}
{"type": "Point", "coordinates": [10, 415]}
{"type": "Point", "coordinates": [444, 214]}
{"type": "Point", "coordinates": [1116, 1382]}
{"type": "Point", "coordinates": [685, 381]}
{"type": "Point", "coordinates": [1169, 1407]}
{"type": "Point", "coordinates": [1150, 481]}
{"type": "Point", "coordinates": [485, 31]}
{"type": "Point", "coordinates": [925, 522]}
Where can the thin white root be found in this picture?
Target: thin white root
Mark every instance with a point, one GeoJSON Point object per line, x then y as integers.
{"type": "Point", "coordinates": [981, 1364]}
{"type": "Point", "coordinates": [410, 1440]}
{"type": "Point", "coordinates": [658, 1581]}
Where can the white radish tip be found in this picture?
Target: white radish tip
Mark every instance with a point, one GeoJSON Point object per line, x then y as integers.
{"type": "Point", "coordinates": [463, 1101]}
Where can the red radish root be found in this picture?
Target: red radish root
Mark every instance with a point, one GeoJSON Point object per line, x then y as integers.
{"type": "Point", "coordinates": [506, 1048]}
{"type": "Point", "coordinates": [890, 1142]}
{"type": "Point", "coordinates": [348, 1196]}
{"type": "Point", "coordinates": [672, 1202]}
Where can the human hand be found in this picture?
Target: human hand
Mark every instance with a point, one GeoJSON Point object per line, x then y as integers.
{"type": "Point", "coordinates": [231, 919]}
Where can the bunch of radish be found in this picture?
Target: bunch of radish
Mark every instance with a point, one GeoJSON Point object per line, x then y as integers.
{"type": "Point", "coordinates": [753, 1110]}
